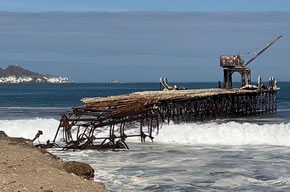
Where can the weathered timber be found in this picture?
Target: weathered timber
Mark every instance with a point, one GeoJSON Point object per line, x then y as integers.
{"type": "Point", "coordinates": [235, 63]}
{"type": "Point", "coordinates": [81, 128]}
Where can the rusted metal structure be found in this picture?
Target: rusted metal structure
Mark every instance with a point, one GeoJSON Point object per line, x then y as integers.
{"type": "Point", "coordinates": [232, 64]}
{"type": "Point", "coordinates": [147, 111]}
{"type": "Point", "coordinates": [106, 122]}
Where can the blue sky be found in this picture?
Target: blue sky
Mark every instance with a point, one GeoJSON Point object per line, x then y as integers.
{"type": "Point", "coordinates": [143, 46]}
{"type": "Point", "coordinates": [141, 5]}
{"type": "Point", "coordinates": [143, 40]}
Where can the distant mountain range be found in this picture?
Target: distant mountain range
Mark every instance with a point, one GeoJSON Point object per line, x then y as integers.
{"type": "Point", "coordinates": [16, 74]}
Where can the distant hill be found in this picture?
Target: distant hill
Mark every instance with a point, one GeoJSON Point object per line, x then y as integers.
{"type": "Point", "coordinates": [17, 74]}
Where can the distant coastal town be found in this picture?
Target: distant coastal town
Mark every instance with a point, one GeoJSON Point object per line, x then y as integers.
{"type": "Point", "coordinates": [17, 74]}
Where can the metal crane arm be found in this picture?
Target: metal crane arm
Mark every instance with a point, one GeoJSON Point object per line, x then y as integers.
{"type": "Point", "coordinates": [269, 45]}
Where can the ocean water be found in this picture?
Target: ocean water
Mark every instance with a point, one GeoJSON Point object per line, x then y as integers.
{"type": "Point", "coordinates": [241, 154]}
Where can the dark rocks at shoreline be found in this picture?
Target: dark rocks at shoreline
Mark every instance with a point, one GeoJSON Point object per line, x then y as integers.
{"type": "Point", "coordinates": [81, 169]}
{"type": "Point", "coordinates": [3, 134]}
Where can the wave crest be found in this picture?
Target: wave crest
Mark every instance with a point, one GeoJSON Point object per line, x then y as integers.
{"type": "Point", "coordinates": [27, 128]}
{"type": "Point", "coordinates": [231, 133]}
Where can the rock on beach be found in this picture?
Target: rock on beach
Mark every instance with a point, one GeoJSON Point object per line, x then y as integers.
{"type": "Point", "coordinates": [80, 169]}
{"type": "Point", "coordinates": [26, 168]}
{"type": "Point", "coordinates": [3, 134]}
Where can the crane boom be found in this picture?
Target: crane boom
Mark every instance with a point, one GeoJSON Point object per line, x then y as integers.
{"type": "Point", "coordinates": [269, 45]}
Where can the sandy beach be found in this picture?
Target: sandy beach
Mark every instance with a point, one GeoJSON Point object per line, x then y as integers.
{"type": "Point", "coordinates": [25, 168]}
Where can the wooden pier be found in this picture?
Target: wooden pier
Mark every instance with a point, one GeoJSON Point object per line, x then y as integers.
{"type": "Point", "coordinates": [82, 127]}
{"type": "Point", "coordinates": [148, 110]}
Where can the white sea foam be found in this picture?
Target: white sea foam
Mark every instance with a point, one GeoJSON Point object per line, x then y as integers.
{"type": "Point", "coordinates": [231, 133]}
{"type": "Point", "coordinates": [28, 128]}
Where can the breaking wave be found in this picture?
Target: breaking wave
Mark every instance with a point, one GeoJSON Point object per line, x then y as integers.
{"type": "Point", "coordinates": [230, 133]}
{"type": "Point", "coordinates": [28, 128]}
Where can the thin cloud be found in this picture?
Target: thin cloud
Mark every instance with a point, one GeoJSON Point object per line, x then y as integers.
{"type": "Point", "coordinates": [146, 45]}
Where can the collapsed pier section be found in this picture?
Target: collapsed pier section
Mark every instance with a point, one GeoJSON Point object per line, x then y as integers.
{"type": "Point", "coordinates": [117, 116]}
{"type": "Point", "coordinates": [84, 126]}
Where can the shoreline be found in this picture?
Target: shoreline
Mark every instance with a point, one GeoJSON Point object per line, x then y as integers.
{"type": "Point", "coordinates": [26, 168]}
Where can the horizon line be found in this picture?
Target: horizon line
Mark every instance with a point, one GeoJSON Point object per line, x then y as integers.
{"type": "Point", "coordinates": [148, 11]}
{"type": "Point", "coordinates": [120, 82]}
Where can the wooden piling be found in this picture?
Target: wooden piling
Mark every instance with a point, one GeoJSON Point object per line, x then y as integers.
{"type": "Point", "coordinates": [153, 108]}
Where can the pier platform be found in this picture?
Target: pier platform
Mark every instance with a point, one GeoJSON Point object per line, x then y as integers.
{"type": "Point", "coordinates": [147, 111]}
{"type": "Point", "coordinates": [84, 126]}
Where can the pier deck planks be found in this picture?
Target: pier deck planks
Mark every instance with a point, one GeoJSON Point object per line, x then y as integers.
{"type": "Point", "coordinates": [152, 108]}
